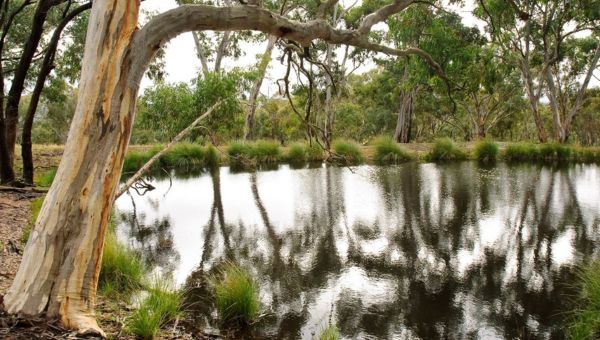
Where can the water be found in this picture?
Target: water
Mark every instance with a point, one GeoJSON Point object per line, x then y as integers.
{"type": "Point", "coordinates": [413, 251]}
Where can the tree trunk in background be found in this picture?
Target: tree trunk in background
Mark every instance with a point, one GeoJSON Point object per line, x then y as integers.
{"type": "Point", "coordinates": [262, 69]}
{"type": "Point", "coordinates": [47, 66]}
{"type": "Point", "coordinates": [65, 247]}
{"type": "Point", "coordinates": [533, 101]}
{"type": "Point", "coordinates": [404, 122]}
{"type": "Point", "coordinates": [18, 82]}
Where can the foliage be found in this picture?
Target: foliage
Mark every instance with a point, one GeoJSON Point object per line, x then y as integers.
{"type": "Point", "coordinates": [389, 152]}
{"type": "Point", "coordinates": [296, 153]}
{"type": "Point", "coordinates": [521, 152]}
{"type": "Point", "coordinates": [347, 152]}
{"type": "Point", "coordinates": [265, 151]}
{"type": "Point", "coordinates": [445, 150]}
{"type": "Point", "coordinates": [486, 151]}
{"type": "Point", "coordinates": [236, 295]}
{"type": "Point", "coordinates": [162, 305]}
{"type": "Point", "coordinates": [584, 321]}
{"type": "Point", "coordinates": [259, 152]}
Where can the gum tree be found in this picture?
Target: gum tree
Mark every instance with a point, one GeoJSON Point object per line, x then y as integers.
{"type": "Point", "coordinates": [61, 263]}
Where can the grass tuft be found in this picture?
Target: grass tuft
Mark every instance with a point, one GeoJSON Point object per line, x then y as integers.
{"type": "Point", "coordinates": [331, 332]}
{"type": "Point", "coordinates": [296, 153]}
{"type": "Point", "coordinates": [184, 155]}
{"type": "Point", "coordinates": [389, 152]}
{"type": "Point", "coordinates": [122, 270]}
{"type": "Point", "coordinates": [584, 322]}
{"type": "Point", "coordinates": [521, 152]}
{"type": "Point", "coordinates": [314, 152]}
{"type": "Point", "coordinates": [265, 151]}
{"type": "Point", "coordinates": [486, 151]}
{"type": "Point", "coordinates": [444, 149]}
{"type": "Point", "coordinates": [236, 295]}
{"type": "Point", "coordinates": [162, 305]}
{"type": "Point", "coordinates": [347, 153]}
{"type": "Point", "coordinates": [555, 152]}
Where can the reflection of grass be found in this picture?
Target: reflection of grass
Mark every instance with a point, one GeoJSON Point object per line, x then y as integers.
{"type": "Point", "coordinates": [584, 322]}
{"type": "Point", "coordinates": [486, 151]}
{"type": "Point", "coordinates": [122, 270]}
{"type": "Point", "coordinates": [236, 295]}
{"type": "Point", "coordinates": [389, 152]}
{"type": "Point", "coordinates": [162, 305]}
{"type": "Point", "coordinates": [331, 332]}
{"type": "Point", "coordinates": [347, 152]}
{"type": "Point", "coordinates": [445, 150]}
{"type": "Point", "coordinates": [36, 206]}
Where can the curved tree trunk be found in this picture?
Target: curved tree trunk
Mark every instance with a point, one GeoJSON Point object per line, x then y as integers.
{"type": "Point", "coordinates": [64, 250]}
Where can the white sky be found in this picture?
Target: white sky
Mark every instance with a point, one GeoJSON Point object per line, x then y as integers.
{"type": "Point", "coordinates": [182, 65]}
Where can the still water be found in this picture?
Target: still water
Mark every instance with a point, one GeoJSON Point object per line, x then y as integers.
{"type": "Point", "coordinates": [396, 252]}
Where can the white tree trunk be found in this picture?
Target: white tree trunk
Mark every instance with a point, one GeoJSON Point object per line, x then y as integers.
{"type": "Point", "coordinates": [59, 272]}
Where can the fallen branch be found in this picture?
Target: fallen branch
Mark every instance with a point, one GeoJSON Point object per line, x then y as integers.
{"type": "Point", "coordinates": [23, 190]}
{"type": "Point", "coordinates": [168, 147]}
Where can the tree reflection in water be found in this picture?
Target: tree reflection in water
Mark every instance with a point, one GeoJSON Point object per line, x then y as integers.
{"type": "Point", "coordinates": [432, 251]}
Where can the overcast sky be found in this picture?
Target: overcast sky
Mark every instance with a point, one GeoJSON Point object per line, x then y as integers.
{"type": "Point", "coordinates": [182, 65]}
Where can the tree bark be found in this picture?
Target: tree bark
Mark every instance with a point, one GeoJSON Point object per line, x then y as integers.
{"type": "Point", "coordinates": [47, 66]}
{"type": "Point", "coordinates": [61, 264]}
{"type": "Point", "coordinates": [262, 69]}
{"type": "Point", "coordinates": [18, 82]}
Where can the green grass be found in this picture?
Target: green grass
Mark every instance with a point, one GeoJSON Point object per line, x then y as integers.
{"type": "Point", "coordinates": [331, 332]}
{"type": "Point", "coordinates": [46, 178]}
{"type": "Point", "coordinates": [162, 305]}
{"type": "Point", "coordinates": [36, 206]}
{"type": "Point", "coordinates": [389, 152]}
{"type": "Point", "coordinates": [296, 153]}
{"type": "Point", "coordinates": [184, 155]}
{"type": "Point", "coordinates": [347, 152]}
{"type": "Point", "coordinates": [211, 157]}
{"type": "Point", "coordinates": [239, 152]}
{"type": "Point", "coordinates": [134, 160]}
{"type": "Point", "coordinates": [584, 322]}
{"type": "Point", "coordinates": [486, 151]}
{"type": "Point", "coordinates": [314, 152]}
{"type": "Point", "coordinates": [444, 149]}
{"type": "Point", "coordinates": [122, 269]}
{"type": "Point", "coordinates": [555, 152]}
{"type": "Point", "coordinates": [266, 151]}
{"type": "Point", "coordinates": [521, 152]}
{"type": "Point", "coordinates": [236, 295]}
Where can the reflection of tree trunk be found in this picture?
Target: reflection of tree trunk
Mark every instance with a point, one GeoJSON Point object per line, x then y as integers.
{"type": "Point", "coordinates": [216, 179]}
{"type": "Point", "coordinates": [275, 240]}
{"type": "Point", "coordinates": [262, 69]}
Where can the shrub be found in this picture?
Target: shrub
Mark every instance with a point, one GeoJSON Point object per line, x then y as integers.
{"type": "Point", "coordinates": [45, 180]}
{"type": "Point", "coordinates": [296, 153]}
{"type": "Point", "coordinates": [265, 151]}
{"type": "Point", "coordinates": [584, 322]}
{"type": "Point", "coordinates": [122, 270]}
{"type": "Point", "coordinates": [347, 152]}
{"type": "Point", "coordinates": [445, 150]}
{"type": "Point", "coordinates": [331, 332]}
{"type": "Point", "coordinates": [486, 151]}
{"type": "Point", "coordinates": [389, 152]}
{"type": "Point", "coordinates": [236, 295]}
{"type": "Point", "coordinates": [520, 152]}
{"type": "Point", "coordinates": [36, 206]}
{"type": "Point", "coordinates": [162, 305]}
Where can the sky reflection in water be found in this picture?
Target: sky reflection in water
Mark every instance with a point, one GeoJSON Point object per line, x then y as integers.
{"type": "Point", "coordinates": [418, 250]}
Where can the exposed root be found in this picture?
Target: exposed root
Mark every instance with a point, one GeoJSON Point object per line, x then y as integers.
{"type": "Point", "coordinates": [85, 325]}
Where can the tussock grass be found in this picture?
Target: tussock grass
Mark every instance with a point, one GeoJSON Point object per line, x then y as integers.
{"type": "Point", "coordinates": [36, 206]}
{"type": "Point", "coordinates": [347, 153]}
{"type": "Point", "coordinates": [236, 295]}
{"type": "Point", "coordinates": [522, 152]}
{"type": "Point", "coordinates": [444, 149]}
{"type": "Point", "coordinates": [486, 151]}
{"type": "Point", "coordinates": [584, 322]}
{"type": "Point", "coordinates": [251, 154]}
{"type": "Point", "coordinates": [265, 151]}
{"type": "Point", "coordinates": [239, 152]}
{"type": "Point", "coordinates": [184, 155]}
{"type": "Point", "coordinates": [314, 152]}
{"type": "Point", "coordinates": [162, 305]}
{"type": "Point", "coordinates": [122, 269]}
{"type": "Point", "coordinates": [331, 332]}
{"type": "Point", "coordinates": [134, 160]}
{"type": "Point", "coordinates": [46, 178]}
{"type": "Point", "coordinates": [555, 152]}
{"type": "Point", "coordinates": [211, 157]}
{"type": "Point", "coordinates": [296, 153]}
{"type": "Point", "coordinates": [389, 152]}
